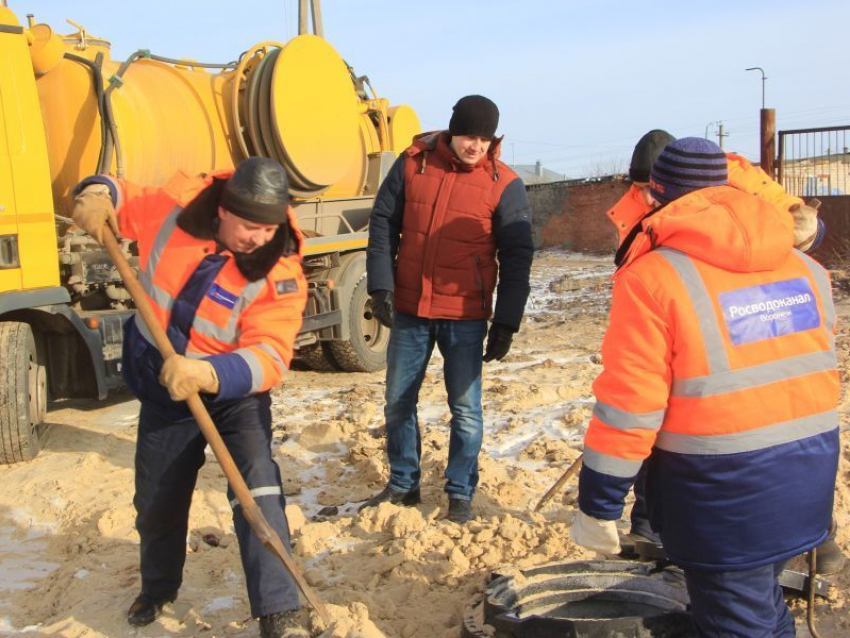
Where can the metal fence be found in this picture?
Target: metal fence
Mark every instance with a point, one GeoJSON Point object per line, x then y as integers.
{"type": "Point", "coordinates": [815, 162]}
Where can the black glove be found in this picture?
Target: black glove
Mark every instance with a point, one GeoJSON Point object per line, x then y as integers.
{"type": "Point", "coordinates": [498, 342]}
{"type": "Point", "coordinates": [383, 307]}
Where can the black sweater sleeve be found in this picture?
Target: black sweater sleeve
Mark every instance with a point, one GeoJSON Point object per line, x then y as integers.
{"type": "Point", "coordinates": [385, 230]}
{"type": "Point", "coordinates": [512, 228]}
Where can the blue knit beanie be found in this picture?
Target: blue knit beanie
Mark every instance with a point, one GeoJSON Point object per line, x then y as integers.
{"type": "Point", "coordinates": [687, 165]}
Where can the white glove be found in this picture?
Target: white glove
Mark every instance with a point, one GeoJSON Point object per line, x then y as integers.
{"type": "Point", "coordinates": [183, 377]}
{"type": "Point", "coordinates": [93, 208]}
{"type": "Point", "coordinates": [805, 225]}
{"type": "Point", "coordinates": [595, 534]}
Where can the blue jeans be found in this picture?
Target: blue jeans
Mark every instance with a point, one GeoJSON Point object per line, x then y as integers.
{"type": "Point", "coordinates": [461, 343]}
{"type": "Point", "coordinates": [740, 604]}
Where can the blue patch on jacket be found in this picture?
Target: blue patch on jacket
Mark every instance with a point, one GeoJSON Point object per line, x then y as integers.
{"type": "Point", "coordinates": [222, 296]}
{"type": "Point", "coordinates": [771, 310]}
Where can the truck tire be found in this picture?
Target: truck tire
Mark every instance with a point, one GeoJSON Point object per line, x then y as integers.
{"type": "Point", "coordinates": [23, 392]}
{"type": "Point", "coordinates": [366, 351]}
{"type": "Point", "coordinates": [318, 357]}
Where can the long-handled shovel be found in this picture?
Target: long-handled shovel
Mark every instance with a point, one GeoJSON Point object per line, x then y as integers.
{"type": "Point", "coordinates": [252, 513]}
{"type": "Point", "coordinates": [566, 476]}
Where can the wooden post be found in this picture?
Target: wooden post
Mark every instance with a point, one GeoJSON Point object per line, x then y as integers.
{"type": "Point", "coordinates": [768, 141]}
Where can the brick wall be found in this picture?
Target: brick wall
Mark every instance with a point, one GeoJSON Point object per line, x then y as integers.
{"type": "Point", "coordinates": [572, 215]}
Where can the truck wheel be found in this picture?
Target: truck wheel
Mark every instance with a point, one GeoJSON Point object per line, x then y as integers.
{"type": "Point", "coordinates": [318, 357]}
{"type": "Point", "coordinates": [23, 392]}
{"type": "Point", "coordinates": [367, 349]}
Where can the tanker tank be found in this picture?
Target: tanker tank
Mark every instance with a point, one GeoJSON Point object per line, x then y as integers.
{"type": "Point", "coordinates": [145, 118]}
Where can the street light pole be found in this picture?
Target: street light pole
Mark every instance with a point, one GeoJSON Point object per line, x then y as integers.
{"type": "Point", "coordinates": [763, 78]}
{"type": "Point", "coordinates": [768, 129]}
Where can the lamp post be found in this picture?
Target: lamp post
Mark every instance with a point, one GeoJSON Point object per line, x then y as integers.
{"type": "Point", "coordinates": [763, 78]}
{"type": "Point", "coordinates": [768, 129]}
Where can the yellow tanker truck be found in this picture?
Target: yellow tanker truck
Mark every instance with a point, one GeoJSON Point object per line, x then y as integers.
{"type": "Point", "coordinates": [67, 110]}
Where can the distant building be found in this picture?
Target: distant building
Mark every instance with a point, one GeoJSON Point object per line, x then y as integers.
{"type": "Point", "coordinates": [818, 176]}
{"type": "Point", "coordinates": [536, 174]}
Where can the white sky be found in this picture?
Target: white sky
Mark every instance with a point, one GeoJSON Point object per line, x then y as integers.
{"type": "Point", "coordinates": [577, 82]}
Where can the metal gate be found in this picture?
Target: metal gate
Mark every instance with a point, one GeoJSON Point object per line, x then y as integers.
{"type": "Point", "coordinates": [815, 162]}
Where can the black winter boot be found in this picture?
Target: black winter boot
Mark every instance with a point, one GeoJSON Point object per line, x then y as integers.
{"type": "Point", "coordinates": [282, 624]}
{"type": "Point", "coordinates": [145, 609]}
{"type": "Point", "coordinates": [460, 511]}
{"type": "Point", "coordinates": [389, 495]}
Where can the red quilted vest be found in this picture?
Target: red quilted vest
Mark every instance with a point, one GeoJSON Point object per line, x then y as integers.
{"type": "Point", "coordinates": [446, 266]}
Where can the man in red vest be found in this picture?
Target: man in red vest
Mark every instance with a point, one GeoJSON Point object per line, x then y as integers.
{"type": "Point", "coordinates": [450, 226]}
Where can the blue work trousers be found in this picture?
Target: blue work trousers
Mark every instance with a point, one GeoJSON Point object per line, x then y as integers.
{"type": "Point", "coordinates": [461, 342]}
{"type": "Point", "coordinates": [739, 604]}
{"type": "Point", "coordinates": [169, 453]}
{"type": "Point", "coordinates": [640, 514]}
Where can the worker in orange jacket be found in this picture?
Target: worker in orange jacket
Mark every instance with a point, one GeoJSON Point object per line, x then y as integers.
{"type": "Point", "coordinates": [220, 263]}
{"type": "Point", "coordinates": [809, 229]}
{"type": "Point", "coordinates": [719, 360]}
{"type": "Point", "coordinates": [634, 206]}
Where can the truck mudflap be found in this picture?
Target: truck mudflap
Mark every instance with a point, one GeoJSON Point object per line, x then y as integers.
{"type": "Point", "coordinates": [102, 343]}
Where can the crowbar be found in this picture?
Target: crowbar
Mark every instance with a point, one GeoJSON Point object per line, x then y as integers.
{"type": "Point", "coordinates": [566, 476]}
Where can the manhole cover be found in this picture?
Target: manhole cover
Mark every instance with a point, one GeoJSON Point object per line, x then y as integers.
{"type": "Point", "coordinates": [583, 599]}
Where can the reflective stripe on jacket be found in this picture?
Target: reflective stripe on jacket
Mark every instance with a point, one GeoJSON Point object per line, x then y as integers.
{"type": "Point", "coordinates": [720, 355]}
{"type": "Point", "coordinates": [208, 308]}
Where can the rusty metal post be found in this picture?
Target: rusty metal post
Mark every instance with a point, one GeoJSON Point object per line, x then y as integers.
{"type": "Point", "coordinates": [768, 141]}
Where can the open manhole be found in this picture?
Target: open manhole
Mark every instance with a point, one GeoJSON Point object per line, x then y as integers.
{"type": "Point", "coordinates": [583, 599]}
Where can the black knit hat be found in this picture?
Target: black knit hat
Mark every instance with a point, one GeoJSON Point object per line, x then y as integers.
{"type": "Point", "coordinates": [648, 148]}
{"type": "Point", "coordinates": [687, 165]}
{"type": "Point", "coordinates": [258, 191]}
{"type": "Point", "coordinates": [476, 116]}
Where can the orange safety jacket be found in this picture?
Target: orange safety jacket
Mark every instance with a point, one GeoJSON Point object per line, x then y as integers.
{"type": "Point", "coordinates": [631, 207]}
{"type": "Point", "coordinates": [627, 212]}
{"type": "Point", "coordinates": [245, 327]}
{"type": "Point", "coordinates": [719, 360]}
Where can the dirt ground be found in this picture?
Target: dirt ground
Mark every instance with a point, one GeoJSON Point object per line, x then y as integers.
{"type": "Point", "coordinates": [69, 551]}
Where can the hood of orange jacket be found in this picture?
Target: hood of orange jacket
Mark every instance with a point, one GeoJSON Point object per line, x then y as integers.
{"type": "Point", "coordinates": [721, 226]}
